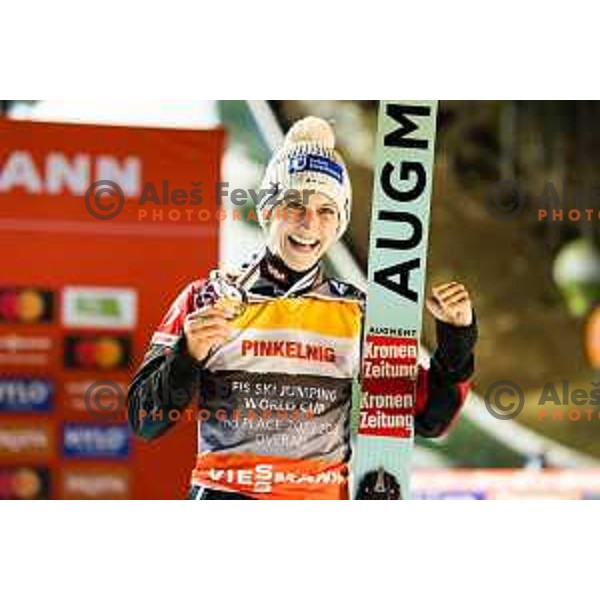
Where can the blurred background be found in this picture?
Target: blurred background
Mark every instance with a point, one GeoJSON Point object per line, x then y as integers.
{"type": "Point", "coordinates": [534, 280]}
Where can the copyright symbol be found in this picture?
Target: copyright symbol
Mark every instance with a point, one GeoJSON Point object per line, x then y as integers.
{"type": "Point", "coordinates": [104, 399]}
{"type": "Point", "coordinates": [103, 208]}
{"type": "Point", "coordinates": [504, 200]}
{"type": "Point", "coordinates": [510, 408]}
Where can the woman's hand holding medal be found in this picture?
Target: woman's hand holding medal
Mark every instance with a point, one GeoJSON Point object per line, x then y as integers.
{"type": "Point", "coordinates": [206, 329]}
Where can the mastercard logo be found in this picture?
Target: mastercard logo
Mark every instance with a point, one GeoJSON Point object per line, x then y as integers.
{"type": "Point", "coordinates": [24, 483]}
{"type": "Point", "coordinates": [97, 352]}
{"type": "Point", "coordinates": [26, 305]}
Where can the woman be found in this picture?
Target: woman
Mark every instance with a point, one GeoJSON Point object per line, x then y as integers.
{"type": "Point", "coordinates": [275, 381]}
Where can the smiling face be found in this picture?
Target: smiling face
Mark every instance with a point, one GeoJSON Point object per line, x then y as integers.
{"type": "Point", "coordinates": [302, 232]}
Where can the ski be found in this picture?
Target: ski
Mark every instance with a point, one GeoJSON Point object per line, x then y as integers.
{"type": "Point", "coordinates": [384, 399]}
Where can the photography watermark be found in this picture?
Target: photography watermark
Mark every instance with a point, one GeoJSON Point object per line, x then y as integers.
{"type": "Point", "coordinates": [105, 200]}
{"type": "Point", "coordinates": [504, 200]}
{"type": "Point", "coordinates": [226, 416]}
{"type": "Point", "coordinates": [565, 202]}
{"type": "Point", "coordinates": [504, 400]}
{"type": "Point", "coordinates": [105, 400]}
{"type": "Point", "coordinates": [557, 401]}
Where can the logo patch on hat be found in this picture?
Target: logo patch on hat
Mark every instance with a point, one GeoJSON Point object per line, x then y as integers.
{"type": "Point", "coordinates": [318, 164]}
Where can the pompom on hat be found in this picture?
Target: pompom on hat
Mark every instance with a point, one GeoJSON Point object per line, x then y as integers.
{"type": "Point", "coordinates": [307, 161]}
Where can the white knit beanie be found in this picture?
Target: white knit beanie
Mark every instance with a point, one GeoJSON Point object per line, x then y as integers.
{"type": "Point", "coordinates": [307, 161]}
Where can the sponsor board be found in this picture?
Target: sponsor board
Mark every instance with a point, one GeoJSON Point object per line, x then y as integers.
{"type": "Point", "coordinates": [48, 184]}
{"type": "Point", "coordinates": [84, 440]}
{"type": "Point", "coordinates": [99, 307]}
{"type": "Point", "coordinates": [25, 394]}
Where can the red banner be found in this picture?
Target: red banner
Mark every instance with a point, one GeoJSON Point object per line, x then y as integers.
{"type": "Point", "coordinates": [87, 271]}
